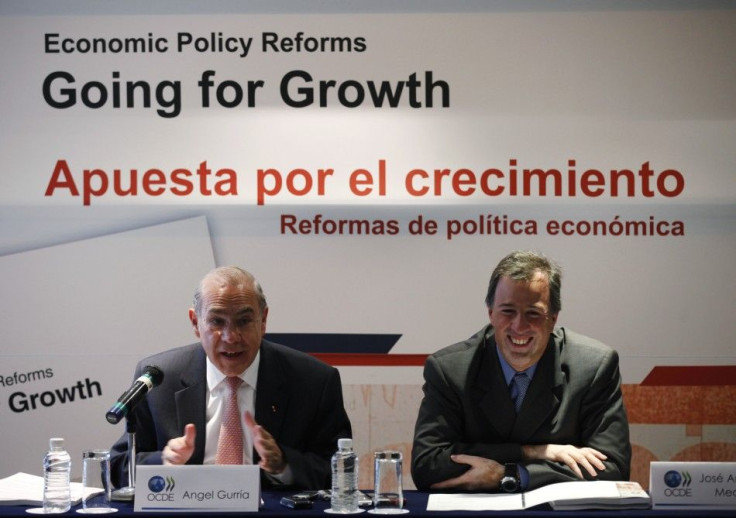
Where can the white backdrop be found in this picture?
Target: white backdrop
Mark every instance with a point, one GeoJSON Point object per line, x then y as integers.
{"type": "Point", "coordinates": [90, 288]}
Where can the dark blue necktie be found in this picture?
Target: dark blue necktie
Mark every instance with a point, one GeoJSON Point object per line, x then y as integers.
{"type": "Point", "coordinates": [521, 382]}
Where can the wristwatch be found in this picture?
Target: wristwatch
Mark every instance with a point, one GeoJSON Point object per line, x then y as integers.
{"type": "Point", "coordinates": [510, 482]}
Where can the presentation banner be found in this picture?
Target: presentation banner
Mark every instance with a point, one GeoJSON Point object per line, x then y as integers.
{"type": "Point", "coordinates": [370, 170]}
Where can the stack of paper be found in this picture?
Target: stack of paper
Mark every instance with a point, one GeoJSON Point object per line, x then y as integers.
{"type": "Point", "coordinates": [598, 494]}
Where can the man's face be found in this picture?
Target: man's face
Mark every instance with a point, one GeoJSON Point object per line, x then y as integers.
{"type": "Point", "coordinates": [521, 320]}
{"type": "Point", "coordinates": [230, 326]}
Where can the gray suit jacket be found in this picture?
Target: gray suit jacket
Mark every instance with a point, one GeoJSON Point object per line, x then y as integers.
{"type": "Point", "coordinates": [574, 398]}
{"type": "Point", "coordinates": [298, 400]}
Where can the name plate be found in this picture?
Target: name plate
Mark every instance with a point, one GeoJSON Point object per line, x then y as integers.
{"type": "Point", "coordinates": [197, 488]}
{"type": "Point", "coordinates": [693, 485]}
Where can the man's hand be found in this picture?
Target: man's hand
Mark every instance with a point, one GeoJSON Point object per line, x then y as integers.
{"type": "Point", "coordinates": [272, 458]}
{"type": "Point", "coordinates": [572, 456]}
{"type": "Point", "coordinates": [483, 474]}
{"type": "Point", "coordinates": [180, 449]}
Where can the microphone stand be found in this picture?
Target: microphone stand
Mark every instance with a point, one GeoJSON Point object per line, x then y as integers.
{"type": "Point", "coordinates": [126, 494]}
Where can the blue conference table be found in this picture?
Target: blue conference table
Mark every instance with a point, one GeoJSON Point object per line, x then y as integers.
{"type": "Point", "coordinates": [416, 503]}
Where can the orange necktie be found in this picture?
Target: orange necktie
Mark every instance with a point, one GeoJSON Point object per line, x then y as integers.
{"type": "Point", "coordinates": [230, 444]}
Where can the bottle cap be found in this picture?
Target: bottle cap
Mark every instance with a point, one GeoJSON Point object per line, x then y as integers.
{"type": "Point", "coordinates": [345, 444]}
{"type": "Point", "coordinates": [56, 443]}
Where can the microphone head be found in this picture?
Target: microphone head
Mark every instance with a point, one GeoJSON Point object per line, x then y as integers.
{"type": "Point", "coordinates": [154, 373]}
{"type": "Point", "coordinates": [116, 413]}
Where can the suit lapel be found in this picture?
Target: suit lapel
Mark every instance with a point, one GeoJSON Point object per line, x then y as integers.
{"type": "Point", "coordinates": [493, 393]}
{"type": "Point", "coordinates": [191, 401]}
{"type": "Point", "coordinates": [271, 399]}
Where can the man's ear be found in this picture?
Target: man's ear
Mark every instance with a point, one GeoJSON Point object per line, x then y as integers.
{"type": "Point", "coordinates": [193, 319]}
{"type": "Point", "coordinates": [264, 317]}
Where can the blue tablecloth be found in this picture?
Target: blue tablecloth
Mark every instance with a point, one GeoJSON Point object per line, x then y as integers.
{"type": "Point", "coordinates": [416, 503]}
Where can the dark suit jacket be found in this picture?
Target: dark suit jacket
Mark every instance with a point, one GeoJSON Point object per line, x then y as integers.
{"type": "Point", "coordinates": [298, 400]}
{"type": "Point", "coordinates": [574, 398]}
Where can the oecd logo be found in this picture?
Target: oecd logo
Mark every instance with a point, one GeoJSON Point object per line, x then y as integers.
{"type": "Point", "coordinates": [157, 484]}
{"type": "Point", "coordinates": [674, 478]}
{"type": "Point", "coordinates": [677, 483]}
{"type": "Point", "coordinates": [161, 489]}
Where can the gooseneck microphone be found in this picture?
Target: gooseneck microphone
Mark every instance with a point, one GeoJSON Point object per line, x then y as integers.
{"type": "Point", "coordinates": [152, 376]}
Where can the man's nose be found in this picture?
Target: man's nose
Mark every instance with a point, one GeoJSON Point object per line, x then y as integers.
{"type": "Point", "coordinates": [230, 334]}
{"type": "Point", "coordinates": [519, 322]}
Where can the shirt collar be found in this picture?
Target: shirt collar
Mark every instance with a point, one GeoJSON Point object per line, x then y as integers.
{"type": "Point", "coordinates": [249, 375]}
{"type": "Point", "coordinates": [508, 370]}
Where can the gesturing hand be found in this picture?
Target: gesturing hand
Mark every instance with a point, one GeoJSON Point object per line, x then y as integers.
{"type": "Point", "coordinates": [272, 458]}
{"type": "Point", "coordinates": [179, 449]}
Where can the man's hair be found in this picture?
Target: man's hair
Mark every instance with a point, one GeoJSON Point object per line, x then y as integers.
{"type": "Point", "coordinates": [231, 276]}
{"type": "Point", "coordinates": [521, 265]}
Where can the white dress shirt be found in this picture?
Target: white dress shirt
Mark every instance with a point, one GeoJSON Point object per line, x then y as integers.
{"type": "Point", "coordinates": [216, 399]}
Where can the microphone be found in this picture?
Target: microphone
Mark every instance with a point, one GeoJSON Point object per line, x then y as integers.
{"type": "Point", "coordinates": [152, 377]}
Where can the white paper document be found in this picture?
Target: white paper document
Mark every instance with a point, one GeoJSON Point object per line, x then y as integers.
{"type": "Point", "coordinates": [599, 494]}
{"type": "Point", "coordinates": [25, 489]}
{"type": "Point", "coordinates": [475, 502]}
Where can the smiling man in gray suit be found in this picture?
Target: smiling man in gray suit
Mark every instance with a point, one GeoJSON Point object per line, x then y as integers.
{"type": "Point", "coordinates": [289, 412]}
{"type": "Point", "coordinates": [482, 428]}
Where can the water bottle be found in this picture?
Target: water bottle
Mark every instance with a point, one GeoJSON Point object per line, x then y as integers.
{"type": "Point", "coordinates": [57, 467]}
{"type": "Point", "coordinates": [344, 478]}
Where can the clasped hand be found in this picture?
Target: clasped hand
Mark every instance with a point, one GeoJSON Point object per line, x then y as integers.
{"type": "Point", "coordinates": [569, 455]}
{"type": "Point", "coordinates": [179, 449]}
{"type": "Point", "coordinates": [486, 474]}
{"type": "Point", "coordinates": [483, 474]}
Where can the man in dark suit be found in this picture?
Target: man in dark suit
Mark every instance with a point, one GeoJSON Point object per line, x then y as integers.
{"type": "Point", "coordinates": [571, 423]}
{"type": "Point", "coordinates": [289, 405]}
